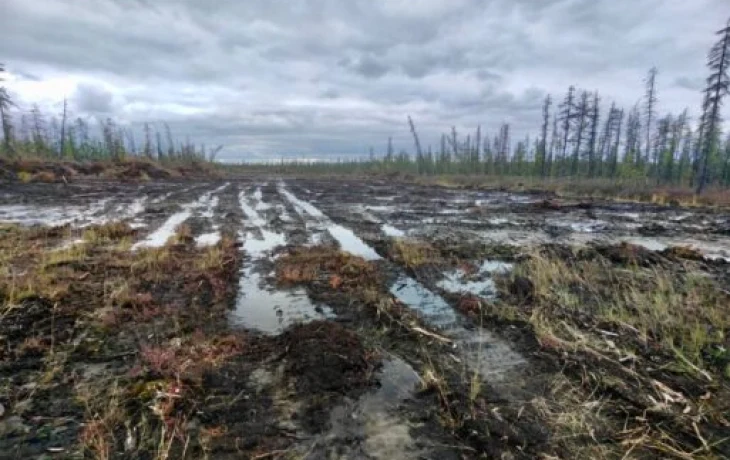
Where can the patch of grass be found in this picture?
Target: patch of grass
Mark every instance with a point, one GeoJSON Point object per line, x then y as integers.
{"type": "Point", "coordinates": [151, 259]}
{"type": "Point", "coordinates": [577, 420]}
{"type": "Point", "coordinates": [113, 231]}
{"type": "Point", "coordinates": [154, 315]}
{"type": "Point", "coordinates": [339, 269]}
{"type": "Point", "coordinates": [414, 254]}
{"type": "Point", "coordinates": [183, 235]}
{"type": "Point", "coordinates": [74, 253]}
{"type": "Point", "coordinates": [681, 312]}
{"type": "Point", "coordinates": [632, 337]}
{"type": "Point", "coordinates": [215, 257]}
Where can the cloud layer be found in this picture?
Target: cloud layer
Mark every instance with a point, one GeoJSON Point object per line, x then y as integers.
{"type": "Point", "coordinates": [269, 78]}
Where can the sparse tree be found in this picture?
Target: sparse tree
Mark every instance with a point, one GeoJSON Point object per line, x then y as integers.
{"type": "Point", "coordinates": [541, 158]}
{"type": "Point", "coordinates": [147, 141]}
{"type": "Point", "coordinates": [567, 114]}
{"type": "Point", "coordinates": [595, 114]}
{"type": "Point", "coordinates": [5, 104]}
{"type": "Point", "coordinates": [416, 141]}
{"type": "Point", "coordinates": [63, 130]}
{"type": "Point", "coordinates": [581, 116]}
{"type": "Point", "coordinates": [650, 104]}
{"type": "Point", "coordinates": [718, 86]}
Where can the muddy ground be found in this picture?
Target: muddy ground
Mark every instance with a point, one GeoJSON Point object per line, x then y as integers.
{"type": "Point", "coordinates": [267, 317]}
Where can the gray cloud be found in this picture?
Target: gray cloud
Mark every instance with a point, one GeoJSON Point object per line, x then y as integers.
{"type": "Point", "coordinates": [93, 99]}
{"type": "Point", "coordinates": [693, 84]}
{"type": "Point", "coordinates": [327, 77]}
{"type": "Point", "coordinates": [367, 66]}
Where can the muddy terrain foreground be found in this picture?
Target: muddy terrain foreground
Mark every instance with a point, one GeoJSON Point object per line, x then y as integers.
{"type": "Point", "coordinates": [271, 318]}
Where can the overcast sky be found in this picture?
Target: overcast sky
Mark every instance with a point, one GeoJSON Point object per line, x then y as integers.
{"type": "Point", "coordinates": [267, 78]}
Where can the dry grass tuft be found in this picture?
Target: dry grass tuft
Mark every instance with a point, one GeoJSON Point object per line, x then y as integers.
{"type": "Point", "coordinates": [683, 313]}
{"type": "Point", "coordinates": [340, 269]}
{"type": "Point", "coordinates": [414, 254]}
{"type": "Point", "coordinates": [112, 231]}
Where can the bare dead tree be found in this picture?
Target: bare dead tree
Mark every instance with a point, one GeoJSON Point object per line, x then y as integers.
{"type": "Point", "coordinates": [63, 129]}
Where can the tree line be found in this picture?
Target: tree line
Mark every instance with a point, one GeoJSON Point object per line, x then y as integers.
{"type": "Point", "coordinates": [580, 138]}
{"type": "Point", "coordinates": [33, 134]}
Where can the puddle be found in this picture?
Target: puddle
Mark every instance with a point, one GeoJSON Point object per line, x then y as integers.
{"type": "Point", "coordinates": [648, 243]}
{"type": "Point", "coordinates": [272, 311]}
{"type": "Point", "coordinates": [514, 238]}
{"type": "Point", "coordinates": [346, 238]}
{"type": "Point", "coordinates": [349, 242]}
{"type": "Point", "coordinates": [522, 199]}
{"type": "Point", "coordinates": [283, 214]}
{"type": "Point", "coordinates": [259, 197]}
{"type": "Point", "coordinates": [209, 211]}
{"type": "Point", "coordinates": [371, 426]}
{"type": "Point", "coordinates": [253, 216]}
{"type": "Point", "coordinates": [269, 311]}
{"type": "Point", "coordinates": [480, 284]}
{"type": "Point", "coordinates": [131, 210]}
{"type": "Point", "coordinates": [213, 237]}
{"type": "Point", "coordinates": [383, 209]}
{"type": "Point", "coordinates": [269, 240]}
{"type": "Point", "coordinates": [591, 226]}
{"type": "Point", "coordinates": [53, 216]}
{"type": "Point", "coordinates": [499, 221]}
{"type": "Point", "coordinates": [432, 307]}
{"type": "Point", "coordinates": [301, 205]}
{"type": "Point", "coordinates": [208, 239]}
{"type": "Point", "coordinates": [164, 197]}
{"type": "Point", "coordinates": [159, 237]}
{"type": "Point", "coordinates": [480, 350]}
{"type": "Point", "coordinates": [711, 250]}
{"type": "Point", "coordinates": [392, 232]}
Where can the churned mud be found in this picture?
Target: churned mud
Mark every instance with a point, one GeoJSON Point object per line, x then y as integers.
{"type": "Point", "coordinates": [301, 318]}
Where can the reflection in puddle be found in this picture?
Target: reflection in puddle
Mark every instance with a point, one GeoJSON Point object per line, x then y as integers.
{"type": "Point", "coordinates": [480, 350]}
{"type": "Point", "coordinates": [256, 247]}
{"type": "Point", "coordinates": [392, 232]}
{"type": "Point", "coordinates": [432, 307]}
{"type": "Point", "coordinates": [346, 238]}
{"type": "Point", "coordinates": [54, 215]}
{"type": "Point", "coordinates": [382, 209]}
{"type": "Point", "coordinates": [349, 242]}
{"type": "Point", "coordinates": [208, 239]}
{"type": "Point", "coordinates": [300, 205]}
{"type": "Point", "coordinates": [650, 244]}
{"type": "Point", "coordinates": [257, 307]}
{"type": "Point", "coordinates": [480, 284]}
{"type": "Point", "coordinates": [159, 237]}
{"type": "Point", "coordinates": [579, 226]}
{"type": "Point", "coordinates": [371, 427]}
{"type": "Point", "coordinates": [272, 311]}
{"type": "Point", "coordinates": [711, 250]}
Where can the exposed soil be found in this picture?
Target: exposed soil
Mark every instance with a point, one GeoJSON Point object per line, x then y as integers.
{"type": "Point", "coordinates": [304, 318]}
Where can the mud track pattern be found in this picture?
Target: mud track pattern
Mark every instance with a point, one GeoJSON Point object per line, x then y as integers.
{"type": "Point", "coordinates": [372, 319]}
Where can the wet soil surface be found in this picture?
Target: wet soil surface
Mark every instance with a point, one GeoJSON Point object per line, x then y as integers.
{"type": "Point", "coordinates": [277, 317]}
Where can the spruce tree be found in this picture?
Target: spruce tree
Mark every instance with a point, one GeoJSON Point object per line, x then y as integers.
{"type": "Point", "coordinates": [651, 100]}
{"type": "Point", "coordinates": [5, 103]}
{"type": "Point", "coordinates": [542, 147]}
{"type": "Point", "coordinates": [718, 86]}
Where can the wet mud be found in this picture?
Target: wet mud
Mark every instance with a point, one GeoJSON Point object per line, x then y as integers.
{"type": "Point", "coordinates": [361, 320]}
